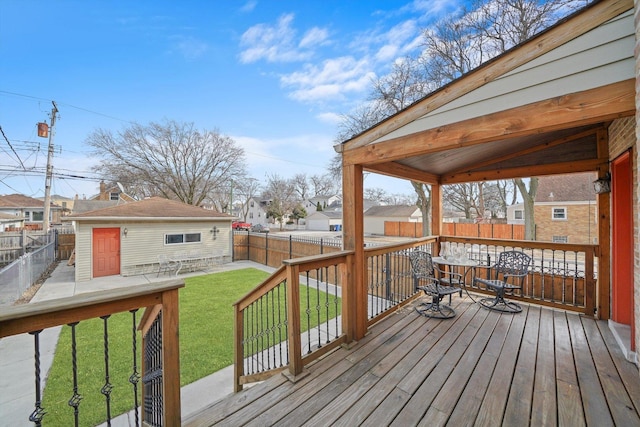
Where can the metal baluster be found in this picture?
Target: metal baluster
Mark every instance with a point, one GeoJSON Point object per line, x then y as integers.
{"type": "Point", "coordinates": [319, 279]}
{"type": "Point", "coordinates": [39, 412]}
{"type": "Point", "coordinates": [107, 387]}
{"type": "Point", "coordinates": [273, 326]}
{"type": "Point", "coordinates": [335, 298]}
{"type": "Point", "coordinates": [134, 379]}
{"type": "Point", "coordinates": [74, 402]}
{"type": "Point", "coordinates": [280, 325]}
{"type": "Point", "coordinates": [286, 321]}
{"type": "Point", "coordinates": [308, 312]}
{"type": "Point", "coordinates": [327, 321]}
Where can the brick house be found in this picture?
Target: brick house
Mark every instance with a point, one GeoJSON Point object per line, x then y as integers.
{"type": "Point", "coordinates": [565, 209]}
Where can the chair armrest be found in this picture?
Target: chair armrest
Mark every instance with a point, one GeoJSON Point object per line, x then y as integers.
{"type": "Point", "coordinates": [449, 274]}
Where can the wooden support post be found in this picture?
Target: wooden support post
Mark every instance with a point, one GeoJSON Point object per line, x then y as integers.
{"type": "Point", "coordinates": [354, 291]}
{"type": "Point", "coordinates": [238, 354]}
{"type": "Point", "coordinates": [603, 294]}
{"type": "Point", "coordinates": [171, 358]}
{"type": "Point", "coordinates": [293, 316]}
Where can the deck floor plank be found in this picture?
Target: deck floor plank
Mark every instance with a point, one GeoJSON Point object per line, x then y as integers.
{"type": "Point", "coordinates": [480, 368]}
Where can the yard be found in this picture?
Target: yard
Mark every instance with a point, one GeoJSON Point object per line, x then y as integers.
{"type": "Point", "coordinates": [206, 346]}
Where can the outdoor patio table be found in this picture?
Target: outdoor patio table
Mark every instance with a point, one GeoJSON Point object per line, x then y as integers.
{"type": "Point", "coordinates": [466, 264]}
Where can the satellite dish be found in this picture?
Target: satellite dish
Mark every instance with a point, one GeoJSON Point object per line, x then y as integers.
{"type": "Point", "coordinates": [120, 187]}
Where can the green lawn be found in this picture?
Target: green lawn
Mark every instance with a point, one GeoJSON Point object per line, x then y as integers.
{"type": "Point", "coordinates": [206, 346]}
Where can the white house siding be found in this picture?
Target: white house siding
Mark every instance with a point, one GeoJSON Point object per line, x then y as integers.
{"type": "Point", "coordinates": [145, 241]}
{"type": "Point", "coordinates": [83, 251]}
{"type": "Point", "coordinates": [602, 56]}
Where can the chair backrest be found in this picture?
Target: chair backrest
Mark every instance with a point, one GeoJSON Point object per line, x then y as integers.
{"type": "Point", "coordinates": [513, 263]}
{"type": "Point", "coordinates": [421, 264]}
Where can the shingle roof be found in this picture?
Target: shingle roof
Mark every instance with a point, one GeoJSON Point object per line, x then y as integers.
{"type": "Point", "coordinates": [82, 206]}
{"type": "Point", "coordinates": [576, 187]}
{"type": "Point", "coordinates": [392, 210]}
{"type": "Point", "coordinates": [21, 201]}
{"type": "Point", "coordinates": [151, 208]}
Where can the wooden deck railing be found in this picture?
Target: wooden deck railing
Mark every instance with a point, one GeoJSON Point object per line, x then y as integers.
{"type": "Point", "coordinates": [562, 275]}
{"type": "Point", "coordinates": [160, 301]}
{"type": "Point", "coordinates": [292, 318]}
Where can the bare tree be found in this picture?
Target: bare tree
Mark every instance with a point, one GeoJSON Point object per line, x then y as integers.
{"type": "Point", "coordinates": [170, 159]}
{"type": "Point", "coordinates": [281, 195]}
{"type": "Point", "coordinates": [323, 185]}
{"type": "Point", "coordinates": [246, 190]}
{"type": "Point", "coordinates": [375, 193]}
{"type": "Point", "coordinates": [301, 186]}
{"type": "Point", "coordinates": [424, 203]}
{"type": "Point", "coordinates": [529, 226]}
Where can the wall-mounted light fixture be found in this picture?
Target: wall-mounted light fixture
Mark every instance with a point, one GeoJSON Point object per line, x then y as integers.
{"type": "Point", "coordinates": [125, 231]}
{"type": "Point", "coordinates": [214, 231]}
{"type": "Point", "coordinates": [602, 185]}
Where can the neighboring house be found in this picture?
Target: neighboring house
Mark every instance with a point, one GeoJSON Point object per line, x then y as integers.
{"type": "Point", "coordinates": [65, 204]}
{"type": "Point", "coordinates": [256, 212]}
{"type": "Point", "coordinates": [113, 193]}
{"type": "Point", "coordinates": [29, 209]}
{"type": "Point", "coordinates": [84, 205]}
{"type": "Point", "coordinates": [123, 239]}
{"type": "Point", "coordinates": [325, 202]}
{"type": "Point", "coordinates": [375, 217]}
{"type": "Point", "coordinates": [565, 209]}
{"type": "Point", "coordinates": [324, 221]}
{"type": "Point", "coordinates": [10, 222]}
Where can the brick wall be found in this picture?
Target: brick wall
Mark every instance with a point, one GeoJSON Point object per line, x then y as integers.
{"type": "Point", "coordinates": [580, 226]}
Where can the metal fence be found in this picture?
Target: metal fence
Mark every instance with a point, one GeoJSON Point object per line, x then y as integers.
{"type": "Point", "coordinates": [18, 276]}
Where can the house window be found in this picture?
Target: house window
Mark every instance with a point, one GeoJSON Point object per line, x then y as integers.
{"type": "Point", "coordinates": [559, 213]}
{"type": "Point", "coordinates": [114, 196]}
{"type": "Point", "coordinates": [560, 239]}
{"type": "Point", "coordinates": [252, 204]}
{"type": "Point", "coordinates": [37, 216]}
{"type": "Point", "coordinates": [176, 239]}
{"type": "Point", "coordinates": [250, 215]}
{"type": "Point", "coordinates": [519, 214]}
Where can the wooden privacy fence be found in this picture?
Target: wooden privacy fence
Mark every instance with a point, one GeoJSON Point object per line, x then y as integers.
{"type": "Point", "coordinates": [482, 231]}
{"type": "Point", "coordinates": [272, 251]}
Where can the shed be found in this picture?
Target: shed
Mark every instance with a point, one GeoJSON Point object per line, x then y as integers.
{"type": "Point", "coordinates": [376, 216]}
{"type": "Point", "coordinates": [127, 239]}
{"type": "Point", "coordinates": [324, 221]}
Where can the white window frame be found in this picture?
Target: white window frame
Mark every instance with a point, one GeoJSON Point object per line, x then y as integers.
{"type": "Point", "coordinates": [555, 210]}
{"type": "Point", "coordinates": [183, 238]}
{"type": "Point", "coordinates": [560, 239]}
{"type": "Point", "coordinates": [518, 214]}
{"type": "Point", "coordinates": [113, 196]}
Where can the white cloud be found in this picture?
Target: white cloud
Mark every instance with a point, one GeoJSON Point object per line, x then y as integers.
{"type": "Point", "coordinates": [313, 37]}
{"type": "Point", "coordinates": [332, 80]}
{"type": "Point", "coordinates": [330, 118]}
{"type": "Point", "coordinates": [277, 43]}
{"type": "Point", "coordinates": [249, 6]}
{"type": "Point", "coordinates": [189, 47]}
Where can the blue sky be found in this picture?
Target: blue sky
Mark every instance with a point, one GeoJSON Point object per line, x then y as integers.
{"type": "Point", "coordinates": [273, 75]}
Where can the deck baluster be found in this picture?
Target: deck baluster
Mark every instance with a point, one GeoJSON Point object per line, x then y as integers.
{"type": "Point", "coordinates": [107, 387]}
{"type": "Point", "coordinates": [134, 379]}
{"type": "Point", "coordinates": [39, 412]}
{"type": "Point", "coordinates": [74, 401]}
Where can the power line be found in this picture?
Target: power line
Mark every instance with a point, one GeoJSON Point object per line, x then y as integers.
{"type": "Point", "coordinates": [10, 146]}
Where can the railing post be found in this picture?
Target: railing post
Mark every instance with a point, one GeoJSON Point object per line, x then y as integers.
{"type": "Point", "coordinates": [238, 351]}
{"type": "Point", "coordinates": [171, 358]}
{"type": "Point", "coordinates": [293, 316]}
{"type": "Point", "coordinates": [589, 286]}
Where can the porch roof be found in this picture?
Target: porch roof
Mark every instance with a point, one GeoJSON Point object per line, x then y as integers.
{"type": "Point", "coordinates": [541, 108]}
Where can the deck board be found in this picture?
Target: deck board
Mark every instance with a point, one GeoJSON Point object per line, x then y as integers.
{"type": "Point", "coordinates": [539, 367]}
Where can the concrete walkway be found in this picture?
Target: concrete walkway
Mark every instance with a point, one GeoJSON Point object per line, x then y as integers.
{"type": "Point", "coordinates": [17, 394]}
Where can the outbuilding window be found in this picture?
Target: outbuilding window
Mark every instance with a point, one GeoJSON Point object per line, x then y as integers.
{"type": "Point", "coordinates": [176, 239]}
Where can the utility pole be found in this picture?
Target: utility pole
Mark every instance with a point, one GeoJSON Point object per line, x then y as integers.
{"type": "Point", "coordinates": [47, 180]}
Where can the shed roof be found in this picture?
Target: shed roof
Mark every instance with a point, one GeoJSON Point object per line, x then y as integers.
{"type": "Point", "coordinates": [154, 208]}
{"type": "Point", "coordinates": [392, 211]}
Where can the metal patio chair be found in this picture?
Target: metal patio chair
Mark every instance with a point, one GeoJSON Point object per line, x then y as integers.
{"type": "Point", "coordinates": [167, 265]}
{"type": "Point", "coordinates": [424, 273]}
{"type": "Point", "coordinates": [509, 273]}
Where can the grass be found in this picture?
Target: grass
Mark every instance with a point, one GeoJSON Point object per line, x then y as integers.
{"type": "Point", "coordinates": [206, 346]}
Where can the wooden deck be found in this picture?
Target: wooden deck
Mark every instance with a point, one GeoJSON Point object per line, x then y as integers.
{"type": "Point", "coordinates": [539, 367]}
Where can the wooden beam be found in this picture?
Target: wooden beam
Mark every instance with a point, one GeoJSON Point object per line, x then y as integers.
{"type": "Point", "coordinates": [436, 211]}
{"type": "Point", "coordinates": [591, 18]}
{"type": "Point", "coordinates": [523, 172]}
{"type": "Point", "coordinates": [397, 170]}
{"type": "Point", "coordinates": [529, 150]}
{"type": "Point", "coordinates": [171, 359]}
{"type": "Point", "coordinates": [578, 109]}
